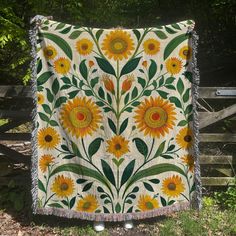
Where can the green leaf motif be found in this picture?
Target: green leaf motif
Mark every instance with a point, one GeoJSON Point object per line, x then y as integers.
{"type": "Point", "coordinates": [73, 94]}
{"type": "Point", "coordinates": [182, 123]}
{"type": "Point", "coordinates": [55, 86]}
{"type": "Point", "coordinates": [43, 117]}
{"type": "Point", "coordinates": [137, 34]}
{"type": "Point", "coordinates": [118, 207]}
{"type": "Point", "coordinates": [88, 93]}
{"type": "Point", "coordinates": [170, 80]}
{"type": "Point", "coordinates": [53, 123]}
{"type": "Point", "coordinates": [108, 172]}
{"type": "Point", "coordinates": [83, 69]}
{"type": "Point", "coordinates": [186, 95]}
{"type": "Point", "coordinates": [130, 66]}
{"type": "Point", "coordinates": [39, 66]}
{"type": "Point", "coordinates": [152, 69]}
{"type": "Point", "coordinates": [163, 201]}
{"type": "Point", "coordinates": [188, 109]}
{"type": "Point", "coordinates": [60, 42]}
{"type": "Point", "coordinates": [94, 81]}
{"type": "Point", "coordinates": [60, 101]}
{"type": "Point", "coordinates": [169, 30]}
{"type": "Point", "coordinates": [75, 149]}
{"type": "Point", "coordinates": [128, 171]}
{"type": "Point", "coordinates": [60, 26]}
{"type": "Point", "coordinates": [147, 92]}
{"type": "Point", "coordinates": [134, 93]}
{"type": "Point", "coordinates": [75, 34]}
{"type": "Point", "coordinates": [43, 78]}
{"type": "Point", "coordinates": [148, 187]}
{"type": "Point", "coordinates": [98, 34]}
{"type": "Point", "coordinates": [41, 186]}
{"type": "Point", "coordinates": [112, 125]}
{"type": "Point", "coordinates": [87, 187]}
{"type": "Point", "coordinates": [175, 42]}
{"type": "Point", "coordinates": [123, 125]}
{"type": "Point", "coordinates": [57, 205]}
{"type": "Point", "coordinates": [176, 26]}
{"type": "Point", "coordinates": [72, 202]}
{"type": "Point", "coordinates": [180, 86]}
{"type": "Point", "coordinates": [50, 96]}
{"type": "Point", "coordinates": [162, 94]}
{"type": "Point", "coordinates": [142, 82]}
{"type": "Point", "coordinates": [105, 66]}
{"type": "Point", "coordinates": [94, 146]}
{"type": "Point", "coordinates": [141, 146]}
{"type": "Point", "coordinates": [126, 98]}
{"type": "Point", "coordinates": [176, 101]}
{"type": "Point", "coordinates": [47, 109]}
{"type": "Point", "coordinates": [160, 149]}
{"type": "Point", "coordinates": [66, 80]}
{"type": "Point", "coordinates": [66, 30]}
{"type": "Point", "coordinates": [160, 34]}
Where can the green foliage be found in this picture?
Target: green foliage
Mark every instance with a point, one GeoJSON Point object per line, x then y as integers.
{"type": "Point", "coordinates": [227, 199]}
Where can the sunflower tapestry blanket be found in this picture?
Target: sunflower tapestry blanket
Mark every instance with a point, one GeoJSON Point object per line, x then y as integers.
{"type": "Point", "coordinates": [116, 130]}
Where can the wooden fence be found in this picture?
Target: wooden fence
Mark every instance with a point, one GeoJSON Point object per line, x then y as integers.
{"type": "Point", "coordinates": [14, 163]}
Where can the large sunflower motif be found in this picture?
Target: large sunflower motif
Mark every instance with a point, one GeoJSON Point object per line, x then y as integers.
{"type": "Point", "coordinates": [62, 65]}
{"type": "Point", "coordinates": [155, 117]}
{"type": "Point", "coordinates": [147, 203]}
{"type": "Point", "coordinates": [45, 161]}
{"type": "Point", "coordinates": [87, 204]}
{"type": "Point", "coordinates": [118, 146]}
{"type": "Point", "coordinates": [173, 65]}
{"type": "Point", "coordinates": [118, 45]}
{"type": "Point", "coordinates": [80, 117]}
{"type": "Point", "coordinates": [48, 138]}
{"type": "Point", "coordinates": [50, 52]}
{"type": "Point", "coordinates": [172, 186]}
{"type": "Point", "coordinates": [63, 186]}
{"type": "Point", "coordinates": [185, 52]}
{"type": "Point", "coordinates": [151, 47]}
{"type": "Point", "coordinates": [185, 138]}
{"type": "Point", "coordinates": [84, 46]}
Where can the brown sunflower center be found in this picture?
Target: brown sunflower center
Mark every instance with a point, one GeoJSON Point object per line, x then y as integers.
{"type": "Point", "coordinates": [117, 146]}
{"type": "Point", "coordinates": [186, 52]}
{"type": "Point", "coordinates": [48, 138]}
{"type": "Point", "coordinates": [118, 46]}
{"type": "Point", "coordinates": [86, 205]}
{"type": "Point", "coordinates": [49, 52]}
{"type": "Point", "coordinates": [151, 46]}
{"type": "Point", "coordinates": [187, 138]}
{"type": "Point", "coordinates": [174, 65]}
{"type": "Point", "coordinates": [62, 65]}
{"type": "Point", "coordinates": [171, 186]}
{"type": "Point", "coordinates": [149, 205]}
{"type": "Point", "coordinates": [155, 117]}
{"type": "Point", "coordinates": [64, 186]}
{"type": "Point", "coordinates": [84, 46]}
{"type": "Point", "coordinates": [80, 117]}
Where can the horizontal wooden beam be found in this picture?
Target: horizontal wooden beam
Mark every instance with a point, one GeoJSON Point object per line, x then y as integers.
{"type": "Point", "coordinates": [15, 91]}
{"type": "Point", "coordinates": [217, 181]}
{"type": "Point", "coordinates": [217, 137]}
{"type": "Point", "coordinates": [211, 118]}
{"type": "Point", "coordinates": [13, 155]}
{"type": "Point", "coordinates": [21, 180]}
{"type": "Point", "coordinates": [10, 114]}
{"type": "Point", "coordinates": [218, 160]}
{"type": "Point", "coordinates": [15, 136]}
{"type": "Point", "coordinates": [210, 92]}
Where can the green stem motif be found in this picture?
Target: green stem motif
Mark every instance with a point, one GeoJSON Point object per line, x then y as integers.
{"type": "Point", "coordinates": [118, 97]}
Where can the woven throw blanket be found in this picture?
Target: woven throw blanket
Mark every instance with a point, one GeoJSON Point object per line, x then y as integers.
{"type": "Point", "coordinates": [116, 130]}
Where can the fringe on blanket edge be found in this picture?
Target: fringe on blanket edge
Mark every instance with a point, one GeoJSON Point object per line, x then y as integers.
{"type": "Point", "coordinates": [196, 201]}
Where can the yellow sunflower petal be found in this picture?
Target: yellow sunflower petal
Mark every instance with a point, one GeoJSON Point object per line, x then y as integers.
{"type": "Point", "coordinates": [40, 98]}
{"type": "Point", "coordinates": [155, 117]}
{"type": "Point", "coordinates": [189, 161]}
{"type": "Point", "coordinates": [118, 44]}
{"type": "Point", "coordinates": [173, 186]}
{"type": "Point", "coordinates": [87, 204]}
{"type": "Point", "coordinates": [84, 46]}
{"type": "Point", "coordinates": [48, 138]}
{"type": "Point", "coordinates": [173, 65]}
{"type": "Point", "coordinates": [185, 138]}
{"type": "Point", "coordinates": [118, 146]}
{"type": "Point", "coordinates": [151, 46]}
{"type": "Point", "coordinates": [62, 65]}
{"type": "Point", "coordinates": [62, 186]}
{"type": "Point", "coordinates": [80, 117]}
{"type": "Point", "coordinates": [147, 203]}
{"type": "Point", "coordinates": [45, 162]}
{"type": "Point", "coordinates": [50, 52]}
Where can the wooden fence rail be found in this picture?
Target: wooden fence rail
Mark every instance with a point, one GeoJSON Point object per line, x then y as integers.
{"type": "Point", "coordinates": [221, 164]}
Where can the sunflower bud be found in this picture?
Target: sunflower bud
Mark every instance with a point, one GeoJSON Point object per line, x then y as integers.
{"type": "Point", "coordinates": [127, 83]}
{"type": "Point", "coordinates": [108, 83]}
{"type": "Point", "coordinates": [144, 64]}
{"type": "Point", "coordinates": [91, 63]}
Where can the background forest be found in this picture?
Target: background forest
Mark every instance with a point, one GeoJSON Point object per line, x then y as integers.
{"type": "Point", "coordinates": [215, 24]}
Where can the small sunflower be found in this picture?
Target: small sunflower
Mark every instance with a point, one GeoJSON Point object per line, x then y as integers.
{"type": "Point", "coordinates": [118, 45]}
{"type": "Point", "coordinates": [185, 138]}
{"type": "Point", "coordinates": [80, 116]}
{"type": "Point", "coordinates": [62, 65]}
{"type": "Point", "coordinates": [48, 138]}
{"type": "Point", "coordinates": [189, 161]}
{"type": "Point", "coordinates": [84, 46]}
{"type": "Point", "coordinates": [118, 146]}
{"type": "Point", "coordinates": [172, 186]}
{"type": "Point", "coordinates": [185, 52]}
{"type": "Point", "coordinates": [87, 204]}
{"type": "Point", "coordinates": [147, 203]}
{"type": "Point", "coordinates": [151, 46]}
{"type": "Point", "coordinates": [50, 52]}
{"type": "Point", "coordinates": [173, 65]}
{"type": "Point", "coordinates": [155, 117]}
{"type": "Point", "coordinates": [40, 98]}
{"type": "Point", "coordinates": [45, 161]}
{"type": "Point", "coordinates": [63, 186]}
